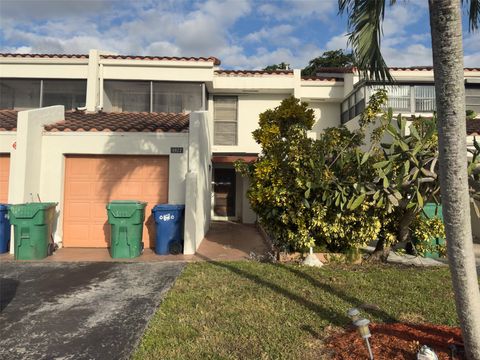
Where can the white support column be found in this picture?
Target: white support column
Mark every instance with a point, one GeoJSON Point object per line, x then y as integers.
{"type": "Point", "coordinates": [93, 83]}
{"type": "Point", "coordinates": [25, 161]}
{"type": "Point", "coordinates": [297, 79]}
{"type": "Point", "coordinates": [197, 199]}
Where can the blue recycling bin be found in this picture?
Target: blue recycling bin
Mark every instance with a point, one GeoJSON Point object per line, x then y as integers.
{"type": "Point", "coordinates": [169, 225]}
{"type": "Point", "coordinates": [4, 229]}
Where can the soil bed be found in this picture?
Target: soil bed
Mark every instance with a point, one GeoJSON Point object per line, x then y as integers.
{"type": "Point", "coordinates": [396, 341]}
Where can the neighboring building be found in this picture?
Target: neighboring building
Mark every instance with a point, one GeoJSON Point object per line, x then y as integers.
{"type": "Point", "coordinates": [158, 129]}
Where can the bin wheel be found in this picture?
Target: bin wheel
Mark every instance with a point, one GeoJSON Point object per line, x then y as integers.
{"type": "Point", "coordinates": [176, 248]}
{"type": "Point", "coordinates": [51, 249]}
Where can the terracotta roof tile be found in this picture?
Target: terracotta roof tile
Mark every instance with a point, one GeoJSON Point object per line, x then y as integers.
{"type": "Point", "coordinates": [339, 70]}
{"type": "Point", "coordinates": [162, 58]}
{"type": "Point", "coordinates": [424, 68]}
{"type": "Point", "coordinates": [45, 56]}
{"type": "Point", "coordinates": [352, 69]}
{"type": "Point", "coordinates": [321, 78]}
{"type": "Point", "coordinates": [121, 122]}
{"type": "Point", "coordinates": [252, 72]}
{"type": "Point", "coordinates": [8, 120]}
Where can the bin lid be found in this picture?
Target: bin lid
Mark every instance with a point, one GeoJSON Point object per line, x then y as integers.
{"type": "Point", "coordinates": [4, 207]}
{"type": "Point", "coordinates": [137, 204]}
{"type": "Point", "coordinates": [29, 210]}
{"type": "Point", "coordinates": [168, 207]}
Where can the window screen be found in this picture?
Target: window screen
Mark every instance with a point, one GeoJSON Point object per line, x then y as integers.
{"type": "Point", "coordinates": [19, 94]}
{"type": "Point", "coordinates": [225, 120]}
{"type": "Point", "coordinates": [69, 93]}
{"type": "Point", "coordinates": [398, 96]}
{"type": "Point", "coordinates": [126, 96]}
{"type": "Point", "coordinates": [472, 99]}
{"type": "Point", "coordinates": [176, 97]}
{"type": "Point", "coordinates": [425, 98]}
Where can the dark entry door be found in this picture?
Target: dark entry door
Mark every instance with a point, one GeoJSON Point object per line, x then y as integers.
{"type": "Point", "coordinates": [224, 190]}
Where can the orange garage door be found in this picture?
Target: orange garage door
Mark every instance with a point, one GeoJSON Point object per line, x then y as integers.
{"type": "Point", "coordinates": [4, 174]}
{"type": "Point", "coordinates": [92, 181]}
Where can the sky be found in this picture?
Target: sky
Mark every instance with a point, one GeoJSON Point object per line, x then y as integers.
{"type": "Point", "coordinates": [243, 34]}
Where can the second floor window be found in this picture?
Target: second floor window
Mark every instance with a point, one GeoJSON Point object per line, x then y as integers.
{"type": "Point", "coordinates": [23, 94]}
{"type": "Point", "coordinates": [20, 94]}
{"type": "Point", "coordinates": [133, 96]}
{"type": "Point", "coordinates": [69, 93]}
{"type": "Point", "coordinates": [472, 98]}
{"type": "Point", "coordinates": [424, 98]}
{"type": "Point", "coordinates": [225, 120]}
{"type": "Point", "coordinates": [152, 96]}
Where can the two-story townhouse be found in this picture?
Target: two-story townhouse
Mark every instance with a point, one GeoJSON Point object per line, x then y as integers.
{"type": "Point", "coordinates": [157, 129]}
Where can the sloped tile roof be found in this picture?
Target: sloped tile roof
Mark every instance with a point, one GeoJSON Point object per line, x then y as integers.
{"type": "Point", "coordinates": [119, 122]}
{"type": "Point", "coordinates": [8, 120]}
{"type": "Point", "coordinates": [45, 56]}
{"type": "Point", "coordinates": [338, 70]}
{"type": "Point", "coordinates": [321, 78]}
{"type": "Point", "coordinates": [352, 69]}
{"type": "Point", "coordinates": [162, 58]}
{"type": "Point", "coordinates": [252, 72]}
{"type": "Point", "coordinates": [424, 68]}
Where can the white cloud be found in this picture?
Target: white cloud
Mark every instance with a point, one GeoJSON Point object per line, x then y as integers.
{"type": "Point", "coordinates": [411, 55]}
{"type": "Point", "coordinates": [294, 10]}
{"type": "Point", "coordinates": [338, 42]}
{"type": "Point", "coordinates": [472, 60]}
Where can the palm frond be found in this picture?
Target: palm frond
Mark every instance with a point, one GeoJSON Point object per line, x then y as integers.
{"type": "Point", "coordinates": [365, 19]}
{"type": "Point", "coordinates": [473, 13]}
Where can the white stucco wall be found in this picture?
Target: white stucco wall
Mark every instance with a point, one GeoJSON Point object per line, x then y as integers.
{"type": "Point", "coordinates": [157, 70]}
{"type": "Point", "coordinates": [327, 114]}
{"type": "Point", "coordinates": [7, 138]}
{"type": "Point", "coordinates": [43, 68]}
{"type": "Point", "coordinates": [198, 185]}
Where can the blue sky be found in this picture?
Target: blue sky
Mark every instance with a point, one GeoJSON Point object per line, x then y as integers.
{"type": "Point", "coordinates": [244, 34]}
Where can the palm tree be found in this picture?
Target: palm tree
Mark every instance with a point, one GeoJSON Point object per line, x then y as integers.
{"type": "Point", "coordinates": [365, 23]}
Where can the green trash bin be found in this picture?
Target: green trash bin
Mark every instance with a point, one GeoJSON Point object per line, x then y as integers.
{"type": "Point", "coordinates": [126, 228]}
{"type": "Point", "coordinates": [32, 229]}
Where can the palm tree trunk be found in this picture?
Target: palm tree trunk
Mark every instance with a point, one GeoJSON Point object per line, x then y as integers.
{"type": "Point", "coordinates": [446, 29]}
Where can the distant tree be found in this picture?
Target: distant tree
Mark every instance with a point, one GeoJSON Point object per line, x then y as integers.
{"type": "Point", "coordinates": [333, 58]}
{"type": "Point", "coordinates": [275, 67]}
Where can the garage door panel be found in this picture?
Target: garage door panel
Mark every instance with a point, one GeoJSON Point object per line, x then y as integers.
{"type": "Point", "coordinates": [79, 189]}
{"type": "Point", "coordinates": [103, 190]}
{"type": "Point", "coordinates": [98, 211]}
{"type": "Point", "coordinates": [131, 190]}
{"type": "Point", "coordinates": [4, 176]}
{"type": "Point", "coordinates": [157, 170]}
{"type": "Point", "coordinates": [143, 178]}
{"type": "Point", "coordinates": [77, 210]}
{"type": "Point", "coordinates": [155, 191]}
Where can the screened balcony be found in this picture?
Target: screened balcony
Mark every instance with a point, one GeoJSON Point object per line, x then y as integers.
{"type": "Point", "coordinates": [152, 96]}
{"type": "Point", "coordinates": [24, 94]}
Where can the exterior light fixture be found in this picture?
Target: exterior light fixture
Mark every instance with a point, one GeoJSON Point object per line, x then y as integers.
{"type": "Point", "coordinates": [353, 314]}
{"type": "Point", "coordinates": [362, 326]}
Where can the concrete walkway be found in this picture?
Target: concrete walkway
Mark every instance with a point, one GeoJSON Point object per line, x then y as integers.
{"type": "Point", "coordinates": [77, 310]}
{"type": "Point", "coordinates": [226, 240]}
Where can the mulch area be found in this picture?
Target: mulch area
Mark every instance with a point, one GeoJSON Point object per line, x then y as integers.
{"type": "Point", "coordinates": [396, 341]}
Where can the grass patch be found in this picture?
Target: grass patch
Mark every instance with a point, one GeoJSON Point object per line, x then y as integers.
{"type": "Point", "coordinates": [251, 310]}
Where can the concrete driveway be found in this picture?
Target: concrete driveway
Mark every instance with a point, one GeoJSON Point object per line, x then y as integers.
{"type": "Point", "coordinates": [78, 310]}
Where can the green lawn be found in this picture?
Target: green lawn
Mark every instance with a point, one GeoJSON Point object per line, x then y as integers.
{"type": "Point", "coordinates": [251, 310]}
